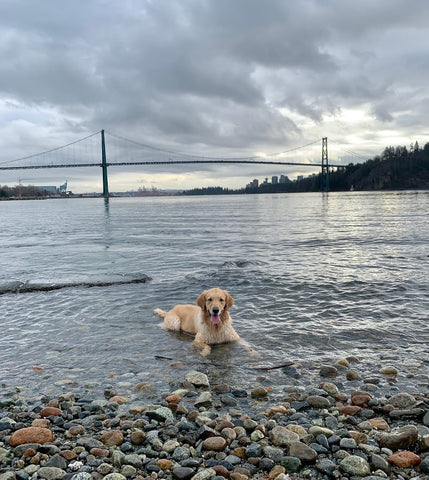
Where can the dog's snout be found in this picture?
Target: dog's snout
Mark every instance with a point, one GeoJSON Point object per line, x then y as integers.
{"type": "Point", "coordinates": [215, 310]}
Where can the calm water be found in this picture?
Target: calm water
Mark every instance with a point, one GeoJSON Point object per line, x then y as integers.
{"type": "Point", "coordinates": [315, 277]}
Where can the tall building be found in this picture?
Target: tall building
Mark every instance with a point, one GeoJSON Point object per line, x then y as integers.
{"type": "Point", "coordinates": [274, 179]}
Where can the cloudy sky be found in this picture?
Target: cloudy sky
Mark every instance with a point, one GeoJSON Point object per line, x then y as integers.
{"type": "Point", "coordinates": [228, 78]}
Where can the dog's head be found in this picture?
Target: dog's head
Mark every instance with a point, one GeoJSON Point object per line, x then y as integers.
{"type": "Point", "coordinates": [215, 304]}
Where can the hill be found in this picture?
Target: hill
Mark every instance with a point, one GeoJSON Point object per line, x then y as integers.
{"type": "Point", "coordinates": [395, 169]}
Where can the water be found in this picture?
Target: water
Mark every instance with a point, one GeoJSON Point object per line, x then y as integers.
{"type": "Point", "coordinates": [315, 277]}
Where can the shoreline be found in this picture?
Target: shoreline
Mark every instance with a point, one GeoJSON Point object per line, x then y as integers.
{"type": "Point", "coordinates": [339, 425]}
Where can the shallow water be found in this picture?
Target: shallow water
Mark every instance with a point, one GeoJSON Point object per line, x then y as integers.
{"type": "Point", "coordinates": [315, 277]}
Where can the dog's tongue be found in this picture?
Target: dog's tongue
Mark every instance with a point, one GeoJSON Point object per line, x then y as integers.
{"type": "Point", "coordinates": [215, 319]}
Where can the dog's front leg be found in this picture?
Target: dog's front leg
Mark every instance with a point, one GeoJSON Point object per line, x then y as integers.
{"type": "Point", "coordinates": [203, 346]}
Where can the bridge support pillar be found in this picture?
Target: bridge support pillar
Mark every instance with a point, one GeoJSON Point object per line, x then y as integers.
{"type": "Point", "coordinates": [324, 184]}
{"type": "Point", "coordinates": [104, 166]}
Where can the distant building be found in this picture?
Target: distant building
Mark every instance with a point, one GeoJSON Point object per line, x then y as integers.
{"type": "Point", "coordinates": [274, 179]}
{"type": "Point", "coordinates": [253, 184]}
{"type": "Point", "coordinates": [284, 179]}
{"type": "Point", "coordinates": [299, 178]}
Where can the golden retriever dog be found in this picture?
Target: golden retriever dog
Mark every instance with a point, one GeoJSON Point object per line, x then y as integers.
{"type": "Point", "coordinates": [208, 320]}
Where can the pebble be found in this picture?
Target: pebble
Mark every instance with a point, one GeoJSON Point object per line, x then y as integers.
{"type": "Point", "coordinates": [202, 432]}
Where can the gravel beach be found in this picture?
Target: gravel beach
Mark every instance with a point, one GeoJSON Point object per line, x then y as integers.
{"type": "Point", "coordinates": [341, 425]}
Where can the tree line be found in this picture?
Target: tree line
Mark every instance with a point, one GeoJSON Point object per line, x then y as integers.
{"type": "Point", "coordinates": [397, 168]}
{"type": "Point", "coordinates": [22, 191]}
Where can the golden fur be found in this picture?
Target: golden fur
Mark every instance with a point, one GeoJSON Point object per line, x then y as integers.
{"type": "Point", "coordinates": [209, 320]}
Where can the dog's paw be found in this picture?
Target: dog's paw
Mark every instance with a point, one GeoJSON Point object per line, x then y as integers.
{"type": "Point", "coordinates": [206, 351]}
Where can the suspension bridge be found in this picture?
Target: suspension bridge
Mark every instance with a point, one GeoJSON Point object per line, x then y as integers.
{"type": "Point", "coordinates": [126, 152]}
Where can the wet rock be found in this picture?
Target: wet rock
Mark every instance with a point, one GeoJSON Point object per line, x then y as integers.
{"type": "Point", "coordinates": [389, 370]}
{"type": "Point", "coordinates": [303, 452]}
{"type": "Point", "coordinates": [330, 388]}
{"type": "Point", "coordinates": [197, 379]}
{"type": "Point", "coordinates": [360, 398]}
{"type": "Point", "coordinates": [328, 371]}
{"type": "Point", "coordinates": [352, 375]}
{"type": "Point", "coordinates": [259, 392]}
{"type": "Point", "coordinates": [402, 400]}
{"type": "Point", "coordinates": [400, 438]}
{"type": "Point", "coordinates": [204, 400]}
{"type": "Point", "coordinates": [317, 401]}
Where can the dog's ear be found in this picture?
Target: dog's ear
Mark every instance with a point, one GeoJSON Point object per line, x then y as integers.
{"type": "Point", "coordinates": [201, 300]}
{"type": "Point", "coordinates": [229, 300]}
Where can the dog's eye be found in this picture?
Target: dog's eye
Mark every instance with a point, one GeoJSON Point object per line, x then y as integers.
{"type": "Point", "coordinates": [222, 300]}
{"type": "Point", "coordinates": [209, 299]}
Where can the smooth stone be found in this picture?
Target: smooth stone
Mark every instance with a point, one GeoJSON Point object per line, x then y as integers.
{"type": "Point", "coordinates": [50, 473]}
{"type": "Point", "coordinates": [259, 392]}
{"type": "Point", "coordinates": [183, 473]}
{"type": "Point", "coordinates": [330, 388]}
{"type": "Point", "coordinates": [400, 438]}
{"type": "Point", "coordinates": [112, 438]}
{"type": "Point", "coordinates": [379, 463]}
{"type": "Point", "coordinates": [316, 401]}
{"type": "Point", "coordinates": [348, 443]}
{"type": "Point", "coordinates": [50, 412]}
{"type": "Point", "coordinates": [355, 465]}
{"type": "Point", "coordinates": [379, 423]}
{"type": "Point", "coordinates": [317, 430]}
{"type": "Point", "coordinates": [303, 452]}
{"type": "Point", "coordinates": [282, 436]}
{"type": "Point", "coordinates": [352, 375]}
{"type": "Point", "coordinates": [389, 370]}
{"type": "Point", "coordinates": [404, 459]}
{"type": "Point", "coordinates": [360, 399]}
{"type": "Point", "coordinates": [216, 444]}
{"type": "Point", "coordinates": [31, 435]}
{"type": "Point", "coordinates": [328, 371]}
{"type": "Point", "coordinates": [402, 400]}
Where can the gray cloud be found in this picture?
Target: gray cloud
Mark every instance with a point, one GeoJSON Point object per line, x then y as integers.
{"type": "Point", "coordinates": [212, 77]}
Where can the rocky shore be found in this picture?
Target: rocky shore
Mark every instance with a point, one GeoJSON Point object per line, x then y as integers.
{"type": "Point", "coordinates": [204, 430]}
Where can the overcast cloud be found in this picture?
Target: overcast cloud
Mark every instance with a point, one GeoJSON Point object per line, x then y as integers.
{"type": "Point", "coordinates": [211, 77]}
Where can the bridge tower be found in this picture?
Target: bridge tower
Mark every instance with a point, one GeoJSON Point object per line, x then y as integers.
{"type": "Point", "coordinates": [104, 166]}
{"type": "Point", "coordinates": [324, 185]}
